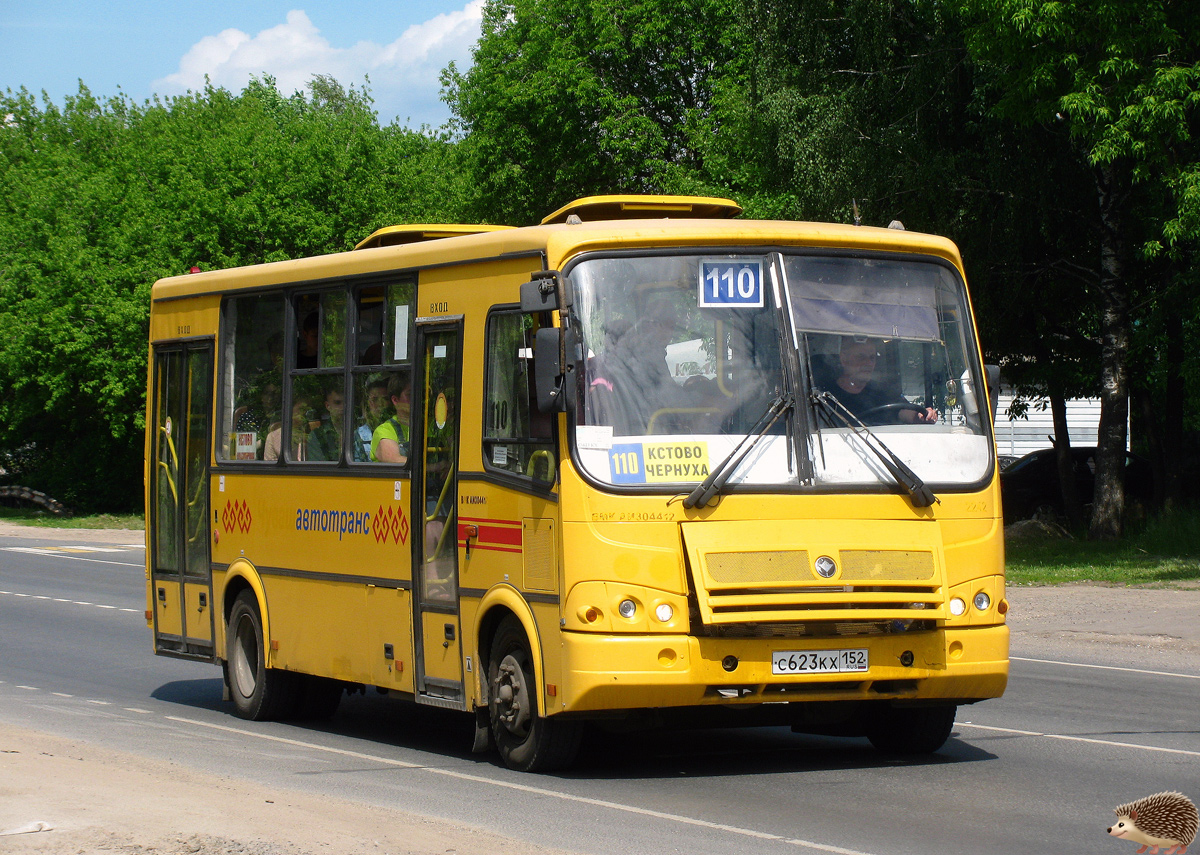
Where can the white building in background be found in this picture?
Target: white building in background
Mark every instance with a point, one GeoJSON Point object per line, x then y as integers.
{"type": "Point", "coordinates": [1015, 437]}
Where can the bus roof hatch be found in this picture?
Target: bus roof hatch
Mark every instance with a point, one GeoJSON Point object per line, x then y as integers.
{"type": "Point", "coordinates": [417, 232]}
{"type": "Point", "coordinates": [594, 208]}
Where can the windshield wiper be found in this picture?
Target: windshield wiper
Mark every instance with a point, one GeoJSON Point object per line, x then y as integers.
{"type": "Point", "coordinates": [716, 479]}
{"type": "Point", "coordinates": [909, 481]}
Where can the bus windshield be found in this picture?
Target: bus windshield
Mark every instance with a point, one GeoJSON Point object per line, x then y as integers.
{"type": "Point", "coordinates": [684, 353]}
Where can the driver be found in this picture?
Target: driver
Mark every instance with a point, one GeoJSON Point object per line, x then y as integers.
{"type": "Point", "coordinates": [858, 390]}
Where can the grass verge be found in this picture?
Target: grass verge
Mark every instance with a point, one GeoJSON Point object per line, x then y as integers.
{"type": "Point", "coordinates": [41, 519]}
{"type": "Point", "coordinates": [1162, 552]}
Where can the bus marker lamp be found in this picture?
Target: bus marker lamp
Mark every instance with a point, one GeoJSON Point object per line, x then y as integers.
{"type": "Point", "coordinates": [957, 606]}
{"type": "Point", "coordinates": [664, 612]}
{"type": "Point", "coordinates": [627, 609]}
{"type": "Point", "coordinates": [591, 614]}
{"type": "Point", "coordinates": [1002, 607]}
{"type": "Point", "coordinates": [982, 601]}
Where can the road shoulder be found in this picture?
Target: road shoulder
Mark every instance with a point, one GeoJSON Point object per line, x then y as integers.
{"type": "Point", "coordinates": [93, 799]}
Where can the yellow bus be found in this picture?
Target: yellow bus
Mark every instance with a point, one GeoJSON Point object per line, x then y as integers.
{"type": "Point", "coordinates": [641, 464]}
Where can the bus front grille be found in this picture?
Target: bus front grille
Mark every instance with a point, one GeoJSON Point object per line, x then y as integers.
{"type": "Point", "coordinates": [870, 590]}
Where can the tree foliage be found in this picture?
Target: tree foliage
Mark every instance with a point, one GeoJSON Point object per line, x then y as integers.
{"type": "Point", "coordinates": [101, 197]}
{"type": "Point", "coordinates": [1121, 77]}
{"type": "Point", "coordinates": [582, 97]}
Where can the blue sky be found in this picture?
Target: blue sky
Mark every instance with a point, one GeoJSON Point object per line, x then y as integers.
{"type": "Point", "coordinates": [165, 47]}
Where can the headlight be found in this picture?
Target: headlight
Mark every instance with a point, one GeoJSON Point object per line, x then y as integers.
{"type": "Point", "coordinates": [957, 606]}
{"type": "Point", "coordinates": [627, 609]}
{"type": "Point", "coordinates": [982, 601]}
{"type": "Point", "coordinates": [664, 612]}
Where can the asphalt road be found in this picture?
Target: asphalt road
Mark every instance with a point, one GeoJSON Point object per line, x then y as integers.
{"type": "Point", "coordinates": [1038, 769]}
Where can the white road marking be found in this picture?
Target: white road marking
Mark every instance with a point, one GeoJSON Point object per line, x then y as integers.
{"type": "Point", "coordinates": [526, 788]}
{"type": "Point", "coordinates": [1068, 738]}
{"type": "Point", "coordinates": [1107, 667]}
{"type": "Point", "coordinates": [46, 552]}
{"type": "Point", "coordinates": [72, 602]}
{"type": "Point", "coordinates": [57, 550]}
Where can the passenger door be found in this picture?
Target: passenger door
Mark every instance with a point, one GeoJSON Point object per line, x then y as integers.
{"type": "Point", "coordinates": [435, 515]}
{"type": "Point", "coordinates": [180, 570]}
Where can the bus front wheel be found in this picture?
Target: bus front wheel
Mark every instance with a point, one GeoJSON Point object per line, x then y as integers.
{"type": "Point", "coordinates": [528, 741]}
{"type": "Point", "coordinates": [259, 693]}
{"type": "Point", "coordinates": [911, 730]}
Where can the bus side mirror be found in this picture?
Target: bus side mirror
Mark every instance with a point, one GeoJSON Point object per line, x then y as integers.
{"type": "Point", "coordinates": [545, 290]}
{"type": "Point", "coordinates": [553, 365]}
{"type": "Point", "coordinates": [993, 387]}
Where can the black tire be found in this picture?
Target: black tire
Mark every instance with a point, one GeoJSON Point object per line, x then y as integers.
{"type": "Point", "coordinates": [259, 693]}
{"type": "Point", "coordinates": [527, 740]}
{"type": "Point", "coordinates": [911, 730]}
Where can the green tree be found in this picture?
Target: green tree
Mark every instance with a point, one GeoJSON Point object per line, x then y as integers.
{"type": "Point", "coordinates": [1122, 77]}
{"type": "Point", "coordinates": [101, 197]}
{"type": "Point", "coordinates": [578, 97]}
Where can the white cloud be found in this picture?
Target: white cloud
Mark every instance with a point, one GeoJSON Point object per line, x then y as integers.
{"type": "Point", "coordinates": [403, 73]}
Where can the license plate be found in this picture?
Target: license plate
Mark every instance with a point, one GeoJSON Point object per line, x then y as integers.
{"type": "Point", "coordinates": [818, 661]}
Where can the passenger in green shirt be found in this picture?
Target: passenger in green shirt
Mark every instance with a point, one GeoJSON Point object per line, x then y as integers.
{"type": "Point", "coordinates": [389, 442]}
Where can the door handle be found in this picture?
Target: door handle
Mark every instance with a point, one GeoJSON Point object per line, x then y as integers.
{"type": "Point", "coordinates": [448, 630]}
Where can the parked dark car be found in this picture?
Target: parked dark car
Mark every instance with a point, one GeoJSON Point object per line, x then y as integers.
{"type": "Point", "coordinates": [1030, 489]}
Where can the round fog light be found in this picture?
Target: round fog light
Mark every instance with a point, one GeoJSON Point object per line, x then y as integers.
{"type": "Point", "coordinates": [957, 606]}
{"type": "Point", "coordinates": [982, 601]}
{"type": "Point", "coordinates": [664, 612]}
{"type": "Point", "coordinates": [627, 609]}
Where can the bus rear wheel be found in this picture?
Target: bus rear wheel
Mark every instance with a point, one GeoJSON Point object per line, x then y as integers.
{"type": "Point", "coordinates": [528, 741]}
{"type": "Point", "coordinates": [259, 693]}
{"type": "Point", "coordinates": [911, 730]}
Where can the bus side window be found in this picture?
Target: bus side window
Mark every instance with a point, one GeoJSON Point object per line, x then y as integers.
{"type": "Point", "coordinates": [369, 335]}
{"type": "Point", "coordinates": [252, 374]}
{"type": "Point", "coordinates": [517, 438]}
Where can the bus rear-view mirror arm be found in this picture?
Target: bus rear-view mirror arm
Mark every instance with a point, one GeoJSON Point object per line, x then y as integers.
{"type": "Point", "coordinates": [992, 373]}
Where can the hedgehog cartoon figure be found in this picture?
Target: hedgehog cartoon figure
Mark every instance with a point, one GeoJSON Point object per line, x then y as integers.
{"type": "Point", "coordinates": [1163, 819]}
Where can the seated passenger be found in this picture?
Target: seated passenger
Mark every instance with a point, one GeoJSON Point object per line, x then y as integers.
{"type": "Point", "coordinates": [258, 416]}
{"type": "Point", "coordinates": [325, 442]}
{"type": "Point", "coordinates": [302, 423]}
{"type": "Point", "coordinates": [863, 394]}
{"type": "Point", "coordinates": [373, 409]}
{"type": "Point", "coordinates": [631, 378]}
{"type": "Point", "coordinates": [389, 442]}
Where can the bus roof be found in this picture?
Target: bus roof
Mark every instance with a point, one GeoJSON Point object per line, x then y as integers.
{"type": "Point", "coordinates": [416, 232]}
{"type": "Point", "coordinates": [645, 207]}
{"type": "Point", "coordinates": [557, 242]}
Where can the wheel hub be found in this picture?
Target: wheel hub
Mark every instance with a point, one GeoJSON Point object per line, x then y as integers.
{"type": "Point", "coordinates": [511, 697]}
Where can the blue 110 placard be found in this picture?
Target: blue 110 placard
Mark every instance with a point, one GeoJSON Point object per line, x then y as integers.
{"type": "Point", "coordinates": [734, 284]}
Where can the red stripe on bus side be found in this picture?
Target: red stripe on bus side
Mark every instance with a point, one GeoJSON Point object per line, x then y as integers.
{"type": "Point", "coordinates": [493, 534]}
{"type": "Point", "coordinates": [490, 548]}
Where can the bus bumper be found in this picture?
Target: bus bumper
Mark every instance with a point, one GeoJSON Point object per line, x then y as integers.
{"type": "Point", "coordinates": [608, 673]}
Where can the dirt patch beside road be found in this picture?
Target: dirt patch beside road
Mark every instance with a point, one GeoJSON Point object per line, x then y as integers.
{"type": "Point", "coordinates": [95, 800]}
{"type": "Point", "coordinates": [1145, 627]}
